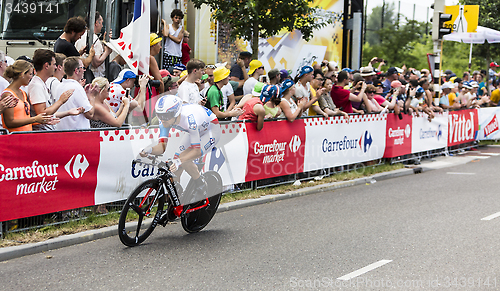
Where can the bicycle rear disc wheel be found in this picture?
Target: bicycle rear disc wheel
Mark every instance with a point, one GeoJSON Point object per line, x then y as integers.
{"type": "Point", "coordinates": [197, 220]}
{"type": "Point", "coordinates": [146, 201]}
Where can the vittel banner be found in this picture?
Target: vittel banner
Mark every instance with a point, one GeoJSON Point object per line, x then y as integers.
{"type": "Point", "coordinates": [429, 135]}
{"type": "Point", "coordinates": [276, 150]}
{"type": "Point", "coordinates": [488, 123]}
{"type": "Point", "coordinates": [336, 141]}
{"type": "Point", "coordinates": [398, 136]}
{"type": "Point", "coordinates": [462, 126]}
{"type": "Point", "coordinates": [43, 173]}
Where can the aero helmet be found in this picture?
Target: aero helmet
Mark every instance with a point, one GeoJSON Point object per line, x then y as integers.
{"type": "Point", "coordinates": [168, 107]}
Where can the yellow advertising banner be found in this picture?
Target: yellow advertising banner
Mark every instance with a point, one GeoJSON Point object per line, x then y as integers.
{"type": "Point", "coordinates": [464, 18]}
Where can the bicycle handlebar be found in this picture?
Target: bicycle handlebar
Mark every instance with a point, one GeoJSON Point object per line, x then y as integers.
{"type": "Point", "coordinates": [154, 162]}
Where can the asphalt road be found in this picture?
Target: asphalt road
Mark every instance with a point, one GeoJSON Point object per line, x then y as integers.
{"type": "Point", "coordinates": [419, 232]}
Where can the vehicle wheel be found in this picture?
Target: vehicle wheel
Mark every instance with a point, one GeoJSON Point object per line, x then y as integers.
{"type": "Point", "coordinates": [197, 220]}
{"type": "Point", "coordinates": [143, 203]}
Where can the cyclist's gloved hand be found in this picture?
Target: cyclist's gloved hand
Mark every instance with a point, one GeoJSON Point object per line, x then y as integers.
{"type": "Point", "coordinates": [176, 163]}
{"type": "Point", "coordinates": [146, 152]}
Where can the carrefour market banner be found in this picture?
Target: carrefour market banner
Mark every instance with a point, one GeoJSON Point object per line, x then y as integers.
{"type": "Point", "coordinates": [429, 135]}
{"type": "Point", "coordinates": [337, 141]}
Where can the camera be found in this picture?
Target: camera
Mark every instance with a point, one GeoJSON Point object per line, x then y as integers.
{"type": "Point", "coordinates": [151, 83]}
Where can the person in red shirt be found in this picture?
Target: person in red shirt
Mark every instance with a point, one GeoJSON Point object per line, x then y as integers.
{"type": "Point", "coordinates": [342, 97]}
{"type": "Point", "coordinates": [186, 50]}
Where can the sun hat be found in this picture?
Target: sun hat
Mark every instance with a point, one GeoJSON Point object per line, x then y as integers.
{"type": "Point", "coordinates": [257, 89]}
{"type": "Point", "coordinates": [254, 65]}
{"type": "Point", "coordinates": [269, 92]}
{"type": "Point", "coordinates": [220, 74]}
{"type": "Point", "coordinates": [154, 39]}
{"type": "Point", "coordinates": [287, 84]}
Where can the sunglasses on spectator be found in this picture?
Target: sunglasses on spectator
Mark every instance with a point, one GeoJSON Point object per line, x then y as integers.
{"type": "Point", "coordinates": [370, 92]}
{"type": "Point", "coordinates": [210, 67]}
{"type": "Point", "coordinates": [261, 68]}
{"type": "Point", "coordinates": [82, 68]}
{"type": "Point", "coordinates": [320, 79]}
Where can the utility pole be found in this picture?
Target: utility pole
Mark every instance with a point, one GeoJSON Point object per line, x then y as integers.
{"type": "Point", "coordinates": [438, 7]}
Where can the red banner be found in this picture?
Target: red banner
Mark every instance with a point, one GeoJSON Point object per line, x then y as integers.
{"type": "Point", "coordinates": [398, 136]}
{"type": "Point", "coordinates": [462, 126]}
{"type": "Point", "coordinates": [47, 172]}
{"type": "Point", "coordinates": [277, 150]}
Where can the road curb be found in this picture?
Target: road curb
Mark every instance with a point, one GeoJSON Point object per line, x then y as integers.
{"type": "Point", "coordinates": [13, 252]}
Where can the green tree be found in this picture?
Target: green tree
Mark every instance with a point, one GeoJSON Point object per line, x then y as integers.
{"type": "Point", "coordinates": [251, 19]}
{"type": "Point", "coordinates": [375, 22]}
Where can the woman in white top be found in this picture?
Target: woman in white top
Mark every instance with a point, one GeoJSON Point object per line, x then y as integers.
{"type": "Point", "coordinates": [289, 109]}
{"type": "Point", "coordinates": [104, 116]}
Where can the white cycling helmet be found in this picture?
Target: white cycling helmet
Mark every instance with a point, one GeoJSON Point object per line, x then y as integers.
{"type": "Point", "coordinates": [168, 107]}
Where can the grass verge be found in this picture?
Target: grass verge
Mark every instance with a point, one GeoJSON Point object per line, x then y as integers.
{"type": "Point", "coordinates": [95, 221]}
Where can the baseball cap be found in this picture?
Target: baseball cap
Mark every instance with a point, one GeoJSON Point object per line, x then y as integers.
{"type": "Point", "coordinates": [287, 84]}
{"type": "Point", "coordinates": [154, 39]}
{"type": "Point", "coordinates": [447, 85]}
{"type": "Point", "coordinates": [254, 65]}
{"type": "Point", "coordinates": [257, 89]}
{"type": "Point", "coordinates": [494, 64]}
{"type": "Point", "coordinates": [466, 85]}
{"type": "Point", "coordinates": [220, 74]}
{"type": "Point", "coordinates": [245, 54]}
{"type": "Point", "coordinates": [305, 70]}
{"type": "Point", "coordinates": [269, 92]}
{"type": "Point", "coordinates": [448, 72]}
{"type": "Point", "coordinates": [348, 70]}
{"type": "Point", "coordinates": [180, 67]}
{"type": "Point", "coordinates": [284, 74]}
{"type": "Point", "coordinates": [396, 84]}
{"type": "Point", "coordinates": [124, 75]}
{"type": "Point", "coordinates": [474, 84]}
{"type": "Point", "coordinates": [420, 90]}
{"type": "Point", "coordinates": [392, 71]}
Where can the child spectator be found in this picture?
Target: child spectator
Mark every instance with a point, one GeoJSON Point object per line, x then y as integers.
{"type": "Point", "coordinates": [174, 34]}
{"type": "Point", "coordinates": [186, 50]}
{"type": "Point", "coordinates": [215, 99]}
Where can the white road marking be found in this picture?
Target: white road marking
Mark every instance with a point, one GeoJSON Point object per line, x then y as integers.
{"type": "Point", "coordinates": [493, 216]}
{"type": "Point", "coordinates": [364, 270]}
{"type": "Point", "coordinates": [491, 154]}
{"type": "Point", "coordinates": [458, 173]}
{"type": "Point", "coordinates": [479, 157]}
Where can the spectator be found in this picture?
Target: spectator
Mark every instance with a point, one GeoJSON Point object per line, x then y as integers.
{"type": "Point", "coordinates": [55, 80]}
{"type": "Point", "coordinates": [104, 116]}
{"type": "Point", "coordinates": [178, 69]}
{"type": "Point", "coordinates": [188, 90]}
{"type": "Point", "coordinates": [74, 69]}
{"type": "Point", "coordinates": [253, 108]}
{"type": "Point", "coordinates": [274, 76]}
{"type": "Point", "coordinates": [342, 97]}
{"type": "Point", "coordinates": [316, 91]}
{"type": "Point", "coordinates": [492, 75]}
{"type": "Point", "coordinates": [495, 94]}
{"type": "Point", "coordinates": [115, 67]}
{"type": "Point", "coordinates": [447, 95]}
{"type": "Point", "coordinates": [65, 44]}
{"type": "Point", "coordinates": [271, 98]}
{"type": "Point", "coordinates": [3, 65]}
{"type": "Point", "coordinates": [386, 104]}
{"type": "Point", "coordinates": [17, 118]}
{"type": "Point", "coordinates": [359, 107]}
{"type": "Point", "coordinates": [424, 83]}
{"type": "Point", "coordinates": [392, 75]}
{"type": "Point", "coordinates": [174, 34]}
{"type": "Point", "coordinates": [186, 50]}
{"type": "Point", "coordinates": [255, 71]}
{"type": "Point", "coordinates": [289, 109]}
{"type": "Point", "coordinates": [97, 66]}
{"type": "Point", "coordinates": [481, 90]}
{"type": "Point", "coordinates": [215, 100]}
{"type": "Point", "coordinates": [367, 73]}
{"type": "Point", "coordinates": [41, 100]}
{"type": "Point", "coordinates": [239, 72]}
{"type": "Point", "coordinates": [171, 85]}
{"type": "Point", "coordinates": [123, 84]}
{"type": "Point", "coordinates": [154, 69]}
{"type": "Point", "coordinates": [303, 88]}
{"type": "Point", "coordinates": [326, 103]}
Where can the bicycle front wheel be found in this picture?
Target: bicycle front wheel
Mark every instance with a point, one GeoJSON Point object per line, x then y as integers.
{"type": "Point", "coordinates": [146, 201]}
{"type": "Point", "coordinates": [197, 220]}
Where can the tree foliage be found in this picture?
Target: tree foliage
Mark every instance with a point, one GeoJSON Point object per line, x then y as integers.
{"type": "Point", "coordinates": [375, 22]}
{"type": "Point", "coordinates": [251, 19]}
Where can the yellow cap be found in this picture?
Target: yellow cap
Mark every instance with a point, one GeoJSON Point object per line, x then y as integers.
{"type": "Point", "coordinates": [220, 74]}
{"type": "Point", "coordinates": [154, 39]}
{"type": "Point", "coordinates": [184, 73]}
{"type": "Point", "coordinates": [254, 65]}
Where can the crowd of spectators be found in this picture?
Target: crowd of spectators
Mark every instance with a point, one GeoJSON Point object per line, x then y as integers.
{"type": "Point", "coordinates": [71, 88]}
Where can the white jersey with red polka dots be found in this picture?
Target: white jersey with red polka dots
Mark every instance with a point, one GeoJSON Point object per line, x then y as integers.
{"type": "Point", "coordinates": [116, 93]}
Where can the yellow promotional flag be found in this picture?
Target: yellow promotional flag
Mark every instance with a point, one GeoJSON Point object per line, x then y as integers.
{"type": "Point", "coordinates": [464, 18]}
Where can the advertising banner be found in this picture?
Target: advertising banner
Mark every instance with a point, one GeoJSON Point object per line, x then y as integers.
{"type": "Point", "coordinates": [48, 172]}
{"type": "Point", "coordinates": [462, 126]}
{"type": "Point", "coordinates": [334, 141]}
{"type": "Point", "coordinates": [398, 136]}
{"type": "Point", "coordinates": [429, 135]}
{"type": "Point", "coordinates": [488, 123]}
{"type": "Point", "coordinates": [276, 150]}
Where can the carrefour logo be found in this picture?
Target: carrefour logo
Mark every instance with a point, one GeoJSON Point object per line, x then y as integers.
{"type": "Point", "coordinates": [364, 143]}
{"type": "Point", "coordinates": [431, 133]}
{"type": "Point", "coordinates": [76, 166]}
{"type": "Point", "coordinates": [295, 143]}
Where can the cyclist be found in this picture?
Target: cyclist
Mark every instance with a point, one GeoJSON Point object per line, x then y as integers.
{"type": "Point", "coordinates": [203, 133]}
